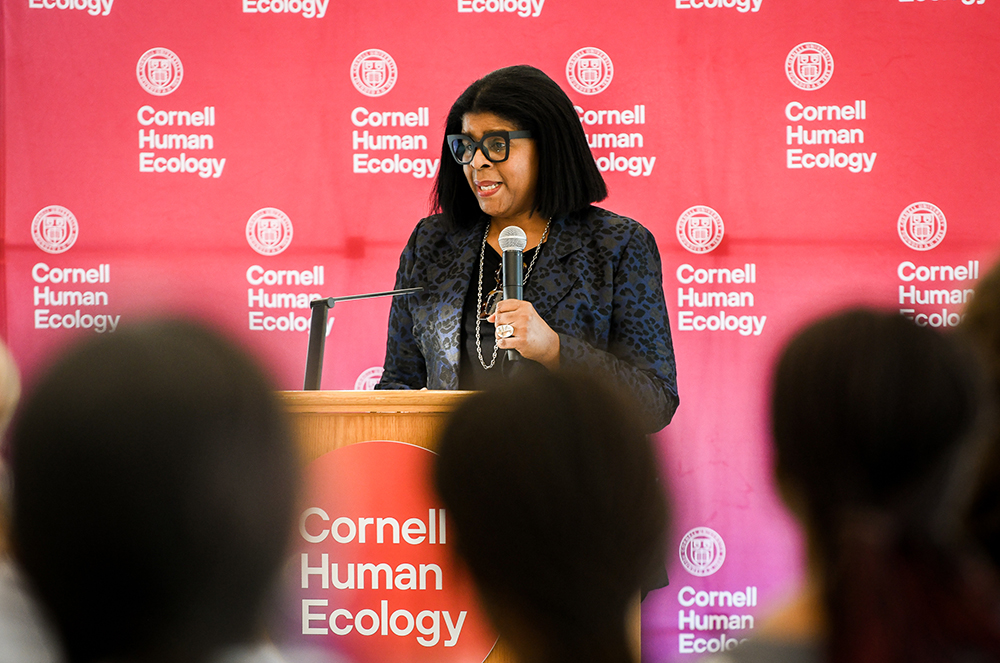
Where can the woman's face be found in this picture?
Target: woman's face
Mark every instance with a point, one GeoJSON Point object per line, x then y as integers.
{"type": "Point", "coordinates": [505, 190]}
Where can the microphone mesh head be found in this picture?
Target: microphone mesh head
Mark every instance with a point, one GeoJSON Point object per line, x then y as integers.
{"type": "Point", "coordinates": [513, 238]}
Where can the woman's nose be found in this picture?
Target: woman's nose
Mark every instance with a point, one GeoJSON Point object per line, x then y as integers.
{"type": "Point", "coordinates": [480, 161]}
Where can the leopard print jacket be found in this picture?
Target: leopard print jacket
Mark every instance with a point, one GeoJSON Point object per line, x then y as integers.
{"type": "Point", "coordinates": [598, 283]}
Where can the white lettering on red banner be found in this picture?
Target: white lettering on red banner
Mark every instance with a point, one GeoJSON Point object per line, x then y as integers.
{"type": "Point", "coordinates": [523, 8]}
{"type": "Point", "coordinates": [964, 2]}
{"type": "Point", "coordinates": [718, 320]}
{"type": "Point", "coordinates": [365, 142]}
{"type": "Point", "coordinates": [922, 226]}
{"type": "Point", "coordinates": [912, 296]}
{"type": "Point", "coordinates": [694, 643]}
{"type": "Point", "coordinates": [151, 139]}
{"type": "Point", "coordinates": [855, 162]}
{"type": "Point", "coordinates": [633, 165]}
{"type": "Point", "coordinates": [376, 576]}
{"type": "Point", "coordinates": [56, 298]}
{"type": "Point", "coordinates": [373, 73]}
{"type": "Point", "coordinates": [688, 597]}
{"type": "Point", "coordinates": [809, 66]}
{"type": "Point", "coordinates": [92, 7]}
{"type": "Point", "coordinates": [742, 6]}
{"type": "Point", "coordinates": [266, 319]}
{"type": "Point", "coordinates": [307, 8]}
{"type": "Point", "coordinates": [589, 71]}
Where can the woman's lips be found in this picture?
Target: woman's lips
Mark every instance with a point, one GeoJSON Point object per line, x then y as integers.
{"type": "Point", "coordinates": [487, 188]}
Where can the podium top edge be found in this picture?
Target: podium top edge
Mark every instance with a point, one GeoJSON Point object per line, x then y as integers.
{"type": "Point", "coordinates": [368, 401]}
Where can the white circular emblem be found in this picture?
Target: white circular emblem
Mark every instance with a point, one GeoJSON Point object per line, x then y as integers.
{"type": "Point", "coordinates": [589, 70]}
{"type": "Point", "coordinates": [159, 71]}
{"type": "Point", "coordinates": [368, 379]}
{"type": "Point", "coordinates": [55, 229]}
{"type": "Point", "coordinates": [809, 66]}
{"type": "Point", "coordinates": [269, 231]}
{"type": "Point", "coordinates": [922, 226]}
{"type": "Point", "coordinates": [700, 229]}
{"type": "Point", "coordinates": [702, 551]}
{"type": "Point", "coordinates": [373, 72]}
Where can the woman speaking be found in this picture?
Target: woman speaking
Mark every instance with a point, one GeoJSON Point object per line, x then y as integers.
{"type": "Point", "coordinates": [515, 154]}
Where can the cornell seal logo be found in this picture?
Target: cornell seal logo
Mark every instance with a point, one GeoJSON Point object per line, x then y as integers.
{"type": "Point", "coordinates": [159, 71]}
{"type": "Point", "coordinates": [702, 551]}
{"type": "Point", "coordinates": [269, 231]}
{"type": "Point", "coordinates": [700, 229]}
{"type": "Point", "coordinates": [922, 226]}
{"type": "Point", "coordinates": [368, 379]}
{"type": "Point", "coordinates": [55, 229]}
{"type": "Point", "coordinates": [809, 66]}
{"type": "Point", "coordinates": [589, 70]}
{"type": "Point", "coordinates": [373, 72]}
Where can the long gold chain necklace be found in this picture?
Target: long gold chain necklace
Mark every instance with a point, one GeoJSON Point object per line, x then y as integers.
{"type": "Point", "coordinates": [479, 293]}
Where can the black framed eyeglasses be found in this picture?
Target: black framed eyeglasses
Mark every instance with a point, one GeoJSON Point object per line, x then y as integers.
{"type": "Point", "coordinates": [494, 145]}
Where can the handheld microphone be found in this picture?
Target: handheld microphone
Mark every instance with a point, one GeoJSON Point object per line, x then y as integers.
{"type": "Point", "coordinates": [512, 242]}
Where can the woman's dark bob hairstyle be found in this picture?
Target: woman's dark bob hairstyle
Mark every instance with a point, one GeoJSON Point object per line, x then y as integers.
{"type": "Point", "coordinates": [568, 179]}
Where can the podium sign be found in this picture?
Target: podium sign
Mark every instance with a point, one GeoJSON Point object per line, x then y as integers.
{"type": "Point", "coordinates": [372, 575]}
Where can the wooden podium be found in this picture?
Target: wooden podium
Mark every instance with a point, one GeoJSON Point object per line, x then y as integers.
{"type": "Point", "coordinates": [328, 420]}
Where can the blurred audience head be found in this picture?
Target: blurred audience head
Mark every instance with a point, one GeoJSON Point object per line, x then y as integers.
{"type": "Point", "coordinates": [879, 426]}
{"type": "Point", "coordinates": [552, 488]}
{"type": "Point", "coordinates": [10, 393]}
{"type": "Point", "coordinates": [10, 387]}
{"type": "Point", "coordinates": [870, 410]}
{"type": "Point", "coordinates": [981, 324]}
{"type": "Point", "coordinates": [153, 488]}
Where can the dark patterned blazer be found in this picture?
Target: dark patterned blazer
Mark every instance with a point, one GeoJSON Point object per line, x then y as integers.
{"type": "Point", "coordinates": [597, 283]}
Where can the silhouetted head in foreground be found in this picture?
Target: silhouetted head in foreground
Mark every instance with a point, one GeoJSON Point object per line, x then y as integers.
{"type": "Point", "coordinates": [981, 324]}
{"type": "Point", "coordinates": [879, 427]}
{"type": "Point", "coordinates": [10, 393]}
{"type": "Point", "coordinates": [552, 488]}
{"type": "Point", "coordinates": [153, 487]}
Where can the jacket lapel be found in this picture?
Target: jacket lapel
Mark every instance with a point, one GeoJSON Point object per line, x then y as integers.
{"type": "Point", "coordinates": [455, 269]}
{"type": "Point", "coordinates": [552, 278]}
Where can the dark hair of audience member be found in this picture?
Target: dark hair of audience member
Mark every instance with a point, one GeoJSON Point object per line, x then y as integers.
{"type": "Point", "coordinates": [153, 488]}
{"type": "Point", "coordinates": [552, 488]}
{"type": "Point", "coordinates": [878, 430]}
{"type": "Point", "coordinates": [981, 324]}
{"type": "Point", "coordinates": [10, 393]}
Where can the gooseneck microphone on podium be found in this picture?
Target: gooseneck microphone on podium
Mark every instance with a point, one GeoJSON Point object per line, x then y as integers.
{"type": "Point", "coordinates": [512, 242]}
{"type": "Point", "coordinates": [317, 331]}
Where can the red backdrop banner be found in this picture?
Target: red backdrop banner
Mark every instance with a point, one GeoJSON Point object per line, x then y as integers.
{"type": "Point", "coordinates": [233, 159]}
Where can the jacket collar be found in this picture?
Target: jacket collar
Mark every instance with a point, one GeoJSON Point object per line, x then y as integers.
{"type": "Point", "coordinates": [564, 237]}
{"type": "Point", "coordinates": [553, 277]}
